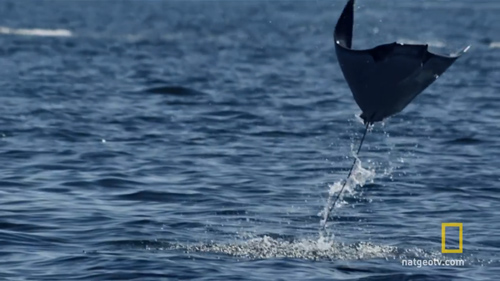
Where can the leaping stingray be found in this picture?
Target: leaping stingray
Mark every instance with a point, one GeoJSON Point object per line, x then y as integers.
{"type": "Point", "coordinates": [386, 78]}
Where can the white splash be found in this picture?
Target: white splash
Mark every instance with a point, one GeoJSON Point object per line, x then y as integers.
{"type": "Point", "coordinates": [36, 32]}
{"type": "Point", "coordinates": [359, 177]}
{"type": "Point", "coordinates": [267, 247]}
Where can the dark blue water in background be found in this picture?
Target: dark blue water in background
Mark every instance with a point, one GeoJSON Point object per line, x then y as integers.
{"type": "Point", "coordinates": [197, 140]}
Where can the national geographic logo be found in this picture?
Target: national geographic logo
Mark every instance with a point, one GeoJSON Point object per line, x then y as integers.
{"type": "Point", "coordinates": [460, 249]}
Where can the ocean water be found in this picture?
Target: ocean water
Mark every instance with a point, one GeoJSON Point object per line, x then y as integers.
{"type": "Point", "coordinates": [199, 140]}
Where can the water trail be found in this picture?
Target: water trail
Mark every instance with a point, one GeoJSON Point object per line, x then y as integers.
{"type": "Point", "coordinates": [360, 176]}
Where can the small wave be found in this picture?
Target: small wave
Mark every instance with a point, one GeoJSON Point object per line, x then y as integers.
{"type": "Point", "coordinates": [233, 114]}
{"type": "Point", "coordinates": [464, 140]}
{"type": "Point", "coordinates": [277, 134]}
{"type": "Point", "coordinates": [36, 32]}
{"type": "Point", "coordinates": [173, 90]}
{"type": "Point", "coordinates": [155, 196]}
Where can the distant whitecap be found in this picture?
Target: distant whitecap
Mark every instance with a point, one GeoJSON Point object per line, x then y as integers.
{"type": "Point", "coordinates": [494, 45]}
{"type": "Point", "coordinates": [36, 32]}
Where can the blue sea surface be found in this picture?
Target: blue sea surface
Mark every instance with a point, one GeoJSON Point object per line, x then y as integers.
{"type": "Point", "coordinates": [199, 140]}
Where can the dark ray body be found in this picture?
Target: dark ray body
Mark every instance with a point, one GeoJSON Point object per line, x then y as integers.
{"type": "Point", "coordinates": [386, 78]}
{"type": "Point", "coordinates": [383, 79]}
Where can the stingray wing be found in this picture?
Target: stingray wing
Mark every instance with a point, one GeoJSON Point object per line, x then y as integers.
{"type": "Point", "coordinates": [385, 79]}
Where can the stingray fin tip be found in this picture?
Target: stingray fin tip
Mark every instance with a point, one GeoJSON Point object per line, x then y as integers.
{"type": "Point", "coordinates": [465, 50]}
{"type": "Point", "coordinates": [460, 52]}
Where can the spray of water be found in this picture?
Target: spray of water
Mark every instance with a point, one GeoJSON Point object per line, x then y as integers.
{"type": "Point", "coordinates": [267, 247]}
{"type": "Point", "coordinates": [359, 177]}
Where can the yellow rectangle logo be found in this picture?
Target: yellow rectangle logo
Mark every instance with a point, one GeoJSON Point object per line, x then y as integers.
{"type": "Point", "coordinates": [444, 225]}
